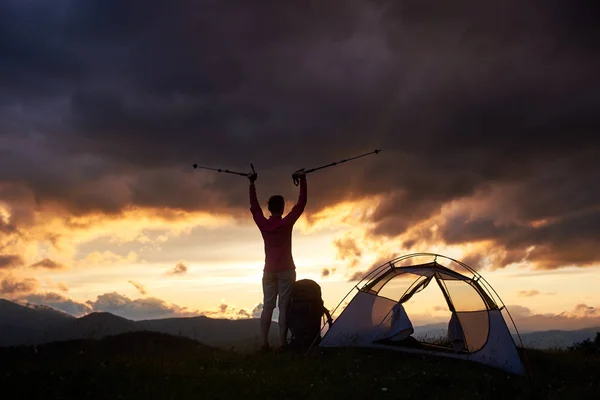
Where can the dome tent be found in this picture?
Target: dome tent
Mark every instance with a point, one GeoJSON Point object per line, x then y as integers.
{"type": "Point", "coordinates": [477, 329]}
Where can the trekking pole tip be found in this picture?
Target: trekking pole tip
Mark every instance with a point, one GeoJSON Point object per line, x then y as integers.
{"type": "Point", "coordinates": [195, 166]}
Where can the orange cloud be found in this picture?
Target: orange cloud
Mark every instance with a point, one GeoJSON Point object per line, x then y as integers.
{"type": "Point", "coordinates": [179, 269]}
{"type": "Point", "coordinates": [230, 312]}
{"type": "Point", "coordinates": [528, 293]}
{"type": "Point", "coordinates": [48, 264]}
{"type": "Point", "coordinates": [140, 288]}
{"type": "Point", "coordinates": [347, 248]}
{"type": "Point", "coordinates": [60, 233]}
{"type": "Point", "coordinates": [14, 286]}
{"type": "Point", "coordinates": [62, 287]}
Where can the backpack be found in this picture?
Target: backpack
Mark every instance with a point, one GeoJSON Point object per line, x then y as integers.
{"type": "Point", "coordinates": [304, 313]}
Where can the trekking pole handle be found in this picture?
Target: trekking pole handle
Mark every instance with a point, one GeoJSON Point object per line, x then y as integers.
{"type": "Point", "coordinates": [295, 177]}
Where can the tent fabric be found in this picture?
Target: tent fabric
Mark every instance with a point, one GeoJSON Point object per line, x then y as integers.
{"type": "Point", "coordinates": [455, 333]}
{"type": "Point", "coordinates": [400, 325]}
{"type": "Point", "coordinates": [476, 327]}
{"type": "Point", "coordinates": [360, 321]}
{"type": "Point", "coordinates": [477, 330]}
{"type": "Point", "coordinates": [420, 284]}
{"type": "Point", "coordinates": [463, 296]}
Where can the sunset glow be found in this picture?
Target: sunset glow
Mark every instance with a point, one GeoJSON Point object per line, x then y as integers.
{"type": "Point", "coordinates": [487, 153]}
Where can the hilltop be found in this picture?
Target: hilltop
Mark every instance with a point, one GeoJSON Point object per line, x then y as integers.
{"type": "Point", "coordinates": [148, 365]}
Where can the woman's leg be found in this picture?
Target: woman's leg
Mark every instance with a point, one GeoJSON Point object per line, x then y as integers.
{"type": "Point", "coordinates": [285, 281]}
{"type": "Point", "coordinates": [269, 284]}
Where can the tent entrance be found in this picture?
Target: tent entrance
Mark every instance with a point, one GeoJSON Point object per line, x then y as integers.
{"type": "Point", "coordinates": [419, 316]}
{"type": "Point", "coordinates": [448, 314]}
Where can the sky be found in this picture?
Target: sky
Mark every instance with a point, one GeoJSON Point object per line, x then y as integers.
{"type": "Point", "coordinates": [486, 115]}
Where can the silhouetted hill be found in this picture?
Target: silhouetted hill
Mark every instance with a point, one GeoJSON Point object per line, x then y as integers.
{"type": "Point", "coordinates": [240, 333]}
{"type": "Point", "coordinates": [557, 338]}
{"type": "Point", "coordinates": [30, 316]}
{"type": "Point", "coordinates": [92, 326]}
{"type": "Point", "coordinates": [149, 365]}
{"type": "Point", "coordinates": [533, 340]}
{"type": "Point", "coordinates": [430, 331]}
{"type": "Point", "coordinates": [21, 324]}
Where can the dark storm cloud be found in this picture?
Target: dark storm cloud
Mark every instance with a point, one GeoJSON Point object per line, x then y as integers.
{"type": "Point", "coordinates": [107, 104]}
{"type": "Point", "coordinates": [569, 239]}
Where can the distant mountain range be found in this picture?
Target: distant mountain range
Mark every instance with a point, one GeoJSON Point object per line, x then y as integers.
{"type": "Point", "coordinates": [532, 340]}
{"type": "Point", "coordinates": [27, 325]}
{"type": "Point", "coordinates": [30, 324]}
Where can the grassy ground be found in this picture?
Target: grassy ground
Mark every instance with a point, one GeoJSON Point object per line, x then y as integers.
{"type": "Point", "coordinates": [157, 366]}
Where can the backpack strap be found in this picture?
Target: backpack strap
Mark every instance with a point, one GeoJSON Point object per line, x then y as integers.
{"type": "Point", "coordinates": [329, 319]}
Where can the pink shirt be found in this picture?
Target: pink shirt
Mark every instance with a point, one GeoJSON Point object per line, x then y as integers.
{"type": "Point", "coordinates": [277, 231]}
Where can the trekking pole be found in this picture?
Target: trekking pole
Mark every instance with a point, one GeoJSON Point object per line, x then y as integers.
{"type": "Point", "coordinates": [297, 181]}
{"type": "Point", "coordinates": [196, 166]}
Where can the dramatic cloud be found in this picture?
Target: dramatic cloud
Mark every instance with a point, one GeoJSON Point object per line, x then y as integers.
{"type": "Point", "coordinates": [105, 105]}
{"type": "Point", "coordinates": [140, 288]}
{"type": "Point", "coordinates": [48, 264]}
{"type": "Point", "coordinates": [10, 285]}
{"type": "Point", "coordinates": [348, 249]}
{"type": "Point", "coordinates": [8, 261]}
{"type": "Point", "coordinates": [179, 269]}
